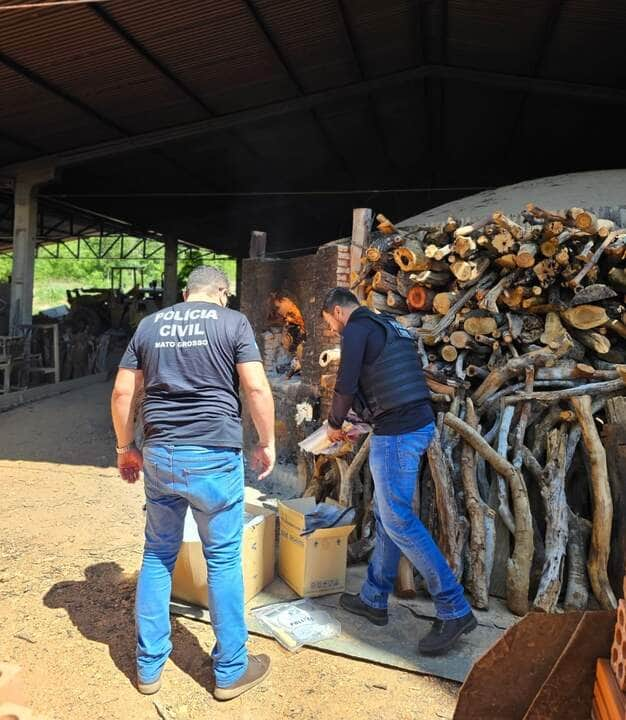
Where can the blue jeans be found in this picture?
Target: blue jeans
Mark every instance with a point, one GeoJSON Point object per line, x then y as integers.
{"type": "Point", "coordinates": [210, 481]}
{"type": "Point", "coordinates": [395, 463]}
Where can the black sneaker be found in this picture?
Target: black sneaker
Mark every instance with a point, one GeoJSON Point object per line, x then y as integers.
{"type": "Point", "coordinates": [354, 604]}
{"type": "Point", "coordinates": [444, 633]}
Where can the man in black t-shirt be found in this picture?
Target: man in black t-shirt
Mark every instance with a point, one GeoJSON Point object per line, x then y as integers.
{"type": "Point", "coordinates": [381, 378]}
{"type": "Point", "coordinates": [190, 359]}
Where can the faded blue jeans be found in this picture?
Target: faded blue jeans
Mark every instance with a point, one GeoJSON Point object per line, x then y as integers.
{"type": "Point", "coordinates": [211, 481]}
{"type": "Point", "coordinates": [395, 462]}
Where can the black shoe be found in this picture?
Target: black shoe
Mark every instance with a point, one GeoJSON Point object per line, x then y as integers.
{"type": "Point", "coordinates": [444, 633]}
{"type": "Point", "coordinates": [354, 604]}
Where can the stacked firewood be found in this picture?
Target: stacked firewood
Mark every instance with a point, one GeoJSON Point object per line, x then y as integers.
{"type": "Point", "coordinates": [521, 328]}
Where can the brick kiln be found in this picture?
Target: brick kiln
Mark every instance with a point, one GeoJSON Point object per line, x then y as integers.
{"type": "Point", "coordinates": [282, 299]}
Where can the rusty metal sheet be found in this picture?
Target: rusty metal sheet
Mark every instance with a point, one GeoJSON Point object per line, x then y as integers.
{"type": "Point", "coordinates": [504, 681]}
{"type": "Point", "coordinates": [568, 689]}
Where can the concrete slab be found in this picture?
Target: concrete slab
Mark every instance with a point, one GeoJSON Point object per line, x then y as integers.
{"type": "Point", "coordinates": [394, 645]}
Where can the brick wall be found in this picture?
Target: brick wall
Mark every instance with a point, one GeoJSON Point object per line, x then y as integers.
{"type": "Point", "coordinates": [306, 280]}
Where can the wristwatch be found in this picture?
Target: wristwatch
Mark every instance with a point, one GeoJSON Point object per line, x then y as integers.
{"type": "Point", "coordinates": [124, 448]}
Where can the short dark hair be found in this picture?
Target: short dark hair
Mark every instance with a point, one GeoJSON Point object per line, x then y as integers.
{"type": "Point", "coordinates": [338, 296]}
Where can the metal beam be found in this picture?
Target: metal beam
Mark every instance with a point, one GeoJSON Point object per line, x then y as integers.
{"type": "Point", "coordinates": [59, 92]}
{"type": "Point", "coordinates": [150, 57]}
{"type": "Point", "coordinates": [40, 81]}
{"type": "Point", "coordinates": [291, 74]}
{"type": "Point", "coordinates": [551, 21]}
{"type": "Point", "coordinates": [356, 56]}
{"type": "Point", "coordinates": [592, 93]}
{"type": "Point", "coordinates": [140, 48]}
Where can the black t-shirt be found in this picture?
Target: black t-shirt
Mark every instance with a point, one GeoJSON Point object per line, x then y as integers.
{"type": "Point", "coordinates": [361, 343]}
{"type": "Point", "coordinates": [188, 354]}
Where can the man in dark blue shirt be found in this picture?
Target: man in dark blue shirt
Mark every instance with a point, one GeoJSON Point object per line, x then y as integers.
{"type": "Point", "coordinates": [380, 377]}
{"type": "Point", "coordinates": [190, 360]}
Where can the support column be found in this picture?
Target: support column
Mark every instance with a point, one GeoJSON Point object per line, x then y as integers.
{"type": "Point", "coordinates": [170, 277]}
{"type": "Point", "coordinates": [24, 243]}
{"type": "Point", "coordinates": [258, 244]}
{"type": "Point", "coordinates": [361, 224]}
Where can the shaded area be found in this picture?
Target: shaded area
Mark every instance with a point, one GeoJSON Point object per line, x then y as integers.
{"type": "Point", "coordinates": [101, 609]}
{"type": "Point", "coordinates": [394, 645]}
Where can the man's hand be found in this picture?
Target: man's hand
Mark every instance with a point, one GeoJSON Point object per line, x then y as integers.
{"type": "Point", "coordinates": [335, 434]}
{"type": "Point", "coordinates": [263, 459]}
{"type": "Point", "coordinates": [130, 465]}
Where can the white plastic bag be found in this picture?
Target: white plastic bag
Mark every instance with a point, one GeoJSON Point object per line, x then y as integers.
{"type": "Point", "coordinates": [297, 623]}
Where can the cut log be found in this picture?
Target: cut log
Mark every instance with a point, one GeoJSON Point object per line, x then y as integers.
{"type": "Point", "coordinates": [503, 242]}
{"type": "Point", "coordinates": [550, 247]}
{"type": "Point", "coordinates": [385, 225]}
{"type": "Point", "coordinates": [577, 588]}
{"type": "Point", "coordinates": [592, 294]}
{"type": "Point", "coordinates": [552, 229]}
{"type": "Point", "coordinates": [538, 212]}
{"type": "Point", "coordinates": [503, 221]}
{"type": "Point", "coordinates": [466, 271]}
{"type": "Point", "coordinates": [583, 219]}
{"type": "Point", "coordinates": [617, 278]}
{"type": "Point", "coordinates": [382, 245]}
{"type": "Point", "coordinates": [554, 334]}
{"type": "Point", "coordinates": [474, 227]}
{"type": "Point", "coordinates": [452, 527]}
{"type": "Point", "coordinates": [605, 388]}
{"type": "Point", "coordinates": [507, 261]}
{"type": "Point", "coordinates": [419, 298]}
{"type": "Point", "coordinates": [478, 513]}
{"type": "Point", "coordinates": [525, 257]}
{"type": "Point", "coordinates": [585, 317]}
{"type": "Point", "coordinates": [411, 256]}
{"type": "Point", "coordinates": [500, 375]}
{"type": "Point", "coordinates": [480, 325]}
{"type": "Point", "coordinates": [404, 282]}
{"type": "Point", "coordinates": [405, 580]}
{"type": "Point", "coordinates": [513, 298]}
{"type": "Point", "coordinates": [463, 246]}
{"type": "Point", "coordinates": [617, 327]}
{"type": "Point", "coordinates": [546, 270]}
{"type": "Point", "coordinates": [442, 301]}
{"type": "Point", "coordinates": [593, 340]}
{"type": "Point", "coordinates": [449, 353]}
{"type": "Point", "coordinates": [412, 320]}
{"type": "Point", "coordinates": [430, 278]}
{"type": "Point", "coordinates": [462, 340]}
{"type": "Point", "coordinates": [602, 504]}
{"type": "Point", "coordinates": [384, 282]}
{"type": "Point", "coordinates": [329, 356]}
{"type": "Point", "coordinates": [378, 303]}
{"type": "Point", "coordinates": [504, 509]}
{"type": "Point", "coordinates": [555, 504]}
{"type": "Point", "coordinates": [592, 262]}
{"type": "Point", "coordinates": [489, 301]}
{"type": "Point", "coordinates": [348, 473]}
{"type": "Point", "coordinates": [604, 227]}
{"type": "Point", "coordinates": [396, 302]}
{"type": "Point", "coordinates": [518, 567]}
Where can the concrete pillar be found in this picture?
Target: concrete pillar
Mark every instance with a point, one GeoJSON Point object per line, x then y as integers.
{"type": "Point", "coordinates": [24, 243]}
{"type": "Point", "coordinates": [170, 276]}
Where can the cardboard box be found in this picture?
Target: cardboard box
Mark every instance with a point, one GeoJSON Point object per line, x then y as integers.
{"type": "Point", "coordinates": [189, 581]}
{"type": "Point", "coordinates": [315, 564]}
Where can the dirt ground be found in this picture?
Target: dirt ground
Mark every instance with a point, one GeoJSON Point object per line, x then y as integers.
{"type": "Point", "coordinates": [70, 546]}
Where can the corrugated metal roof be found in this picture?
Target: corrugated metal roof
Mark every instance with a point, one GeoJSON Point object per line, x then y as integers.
{"type": "Point", "coordinates": [192, 58]}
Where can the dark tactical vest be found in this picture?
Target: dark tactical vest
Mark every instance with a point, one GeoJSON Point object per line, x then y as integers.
{"type": "Point", "coordinates": [395, 378]}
